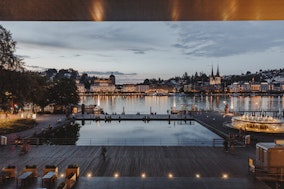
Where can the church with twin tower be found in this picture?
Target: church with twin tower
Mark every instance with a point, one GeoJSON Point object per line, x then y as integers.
{"type": "Point", "coordinates": [215, 79]}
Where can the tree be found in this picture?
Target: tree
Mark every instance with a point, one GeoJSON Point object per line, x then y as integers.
{"type": "Point", "coordinates": [38, 90]}
{"type": "Point", "coordinates": [146, 82]}
{"type": "Point", "coordinates": [8, 60]}
{"type": "Point", "coordinates": [14, 88]}
{"type": "Point", "coordinates": [64, 92]}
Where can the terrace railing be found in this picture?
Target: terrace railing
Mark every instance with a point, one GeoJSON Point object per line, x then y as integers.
{"type": "Point", "coordinates": [127, 142]}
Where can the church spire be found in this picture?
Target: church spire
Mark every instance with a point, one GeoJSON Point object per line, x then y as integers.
{"type": "Point", "coordinates": [218, 74]}
{"type": "Point", "coordinates": [212, 73]}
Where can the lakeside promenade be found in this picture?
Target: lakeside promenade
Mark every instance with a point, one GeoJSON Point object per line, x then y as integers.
{"type": "Point", "coordinates": [43, 122]}
{"type": "Point", "coordinates": [183, 162]}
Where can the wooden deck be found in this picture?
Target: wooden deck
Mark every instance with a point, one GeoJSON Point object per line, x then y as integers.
{"type": "Point", "coordinates": [130, 162]}
{"type": "Point", "coordinates": [133, 161]}
{"type": "Point", "coordinates": [184, 162]}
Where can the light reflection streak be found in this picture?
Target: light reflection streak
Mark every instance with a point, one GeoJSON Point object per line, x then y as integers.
{"type": "Point", "coordinates": [229, 10]}
{"type": "Point", "coordinates": [175, 14]}
{"type": "Point", "coordinates": [98, 12]}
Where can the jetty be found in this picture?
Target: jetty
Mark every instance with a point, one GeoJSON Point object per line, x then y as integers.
{"type": "Point", "coordinates": [133, 117]}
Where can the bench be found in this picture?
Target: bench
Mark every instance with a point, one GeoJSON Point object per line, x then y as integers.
{"type": "Point", "coordinates": [70, 180]}
{"type": "Point", "coordinates": [11, 170]}
{"type": "Point", "coordinates": [24, 177]}
{"type": "Point", "coordinates": [31, 169]}
{"type": "Point", "coordinates": [49, 177]}
{"type": "Point", "coordinates": [4, 175]}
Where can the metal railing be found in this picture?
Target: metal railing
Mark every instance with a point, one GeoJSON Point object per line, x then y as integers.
{"type": "Point", "coordinates": [127, 142]}
{"type": "Point", "coordinates": [149, 142]}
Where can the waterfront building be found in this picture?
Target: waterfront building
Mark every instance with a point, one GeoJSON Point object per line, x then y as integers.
{"type": "Point", "coordinates": [235, 87]}
{"type": "Point", "coordinates": [129, 88]}
{"type": "Point", "coordinates": [187, 88]}
{"type": "Point", "coordinates": [103, 85]}
{"type": "Point", "coordinates": [102, 89]}
{"type": "Point", "coordinates": [142, 88]}
{"type": "Point", "coordinates": [264, 87]}
{"type": "Point", "coordinates": [80, 87]}
{"type": "Point", "coordinates": [255, 87]}
{"type": "Point", "coordinates": [246, 87]}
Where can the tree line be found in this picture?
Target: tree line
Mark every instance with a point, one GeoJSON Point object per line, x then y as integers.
{"type": "Point", "coordinates": [19, 86]}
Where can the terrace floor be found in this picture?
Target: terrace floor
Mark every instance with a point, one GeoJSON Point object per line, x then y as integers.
{"type": "Point", "coordinates": [130, 162]}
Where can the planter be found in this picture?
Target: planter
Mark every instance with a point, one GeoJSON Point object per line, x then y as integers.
{"type": "Point", "coordinates": [73, 169]}
{"type": "Point", "coordinates": [11, 170]}
{"type": "Point", "coordinates": [50, 169]}
{"type": "Point", "coordinates": [31, 169]}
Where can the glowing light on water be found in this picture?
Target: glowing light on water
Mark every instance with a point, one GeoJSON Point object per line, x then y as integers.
{"type": "Point", "coordinates": [99, 101]}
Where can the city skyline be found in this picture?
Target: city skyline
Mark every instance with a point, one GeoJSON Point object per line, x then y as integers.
{"type": "Point", "coordinates": [140, 50]}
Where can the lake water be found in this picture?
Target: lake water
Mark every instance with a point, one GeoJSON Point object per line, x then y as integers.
{"type": "Point", "coordinates": [162, 104]}
{"type": "Point", "coordinates": [139, 133]}
{"type": "Point", "coordinates": [162, 132]}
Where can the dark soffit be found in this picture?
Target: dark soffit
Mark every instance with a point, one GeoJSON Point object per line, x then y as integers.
{"type": "Point", "coordinates": [140, 10]}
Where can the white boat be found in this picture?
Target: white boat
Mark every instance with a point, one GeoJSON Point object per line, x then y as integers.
{"type": "Point", "coordinates": [265, 124]}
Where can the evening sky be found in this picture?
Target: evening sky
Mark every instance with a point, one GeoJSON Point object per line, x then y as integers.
{"type": "Point", "coordinates": [139, 50]}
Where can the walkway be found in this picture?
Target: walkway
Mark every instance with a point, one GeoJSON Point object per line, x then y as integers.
{"type": "Point", "coordinates": [43, 122]}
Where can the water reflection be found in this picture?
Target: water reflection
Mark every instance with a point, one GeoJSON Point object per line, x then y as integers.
{"type": "Point", "coordinates": [141, 133]}
{"type": "Point", "coordinates": [161, 104]}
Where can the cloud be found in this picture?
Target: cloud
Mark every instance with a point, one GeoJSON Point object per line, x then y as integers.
{"type": "Point", "coordinates": [108, 73]}
{"type": "Point", "coordinates": [23, 56]}
{"type": "Point", "coordinates": [35, 67]}
{"type": "Point", "coordinates": [140, 50]}
{"type": "Point", "coordinates": [167, 47]}
{"type": "Point", "coordinates": [222, 39]}
{"type": "Point", "coordinates": [87, 36]}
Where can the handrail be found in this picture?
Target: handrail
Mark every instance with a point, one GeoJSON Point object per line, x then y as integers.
{"type": "Point", "coordinates": [128, 142]}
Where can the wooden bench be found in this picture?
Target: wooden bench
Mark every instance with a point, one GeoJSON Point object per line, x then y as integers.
{"type": "Point", "coordinates": [49, 178]}
{"type": "Point", "coordinates": [24, 177]}
{"type": "Point", "coordinates": [4, 175]}
{"type": "Point", "coordinates": [31, 169]}
{"type": "Point", "coordinates": [70, 180]}
{"type": "Point", "coordinates": [62, 185]}
{"type": "Point", "coordinates": [10, 170]}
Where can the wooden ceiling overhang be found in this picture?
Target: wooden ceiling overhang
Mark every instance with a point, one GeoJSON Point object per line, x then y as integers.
{"type": "Point", "coordinates": [141, 10]}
